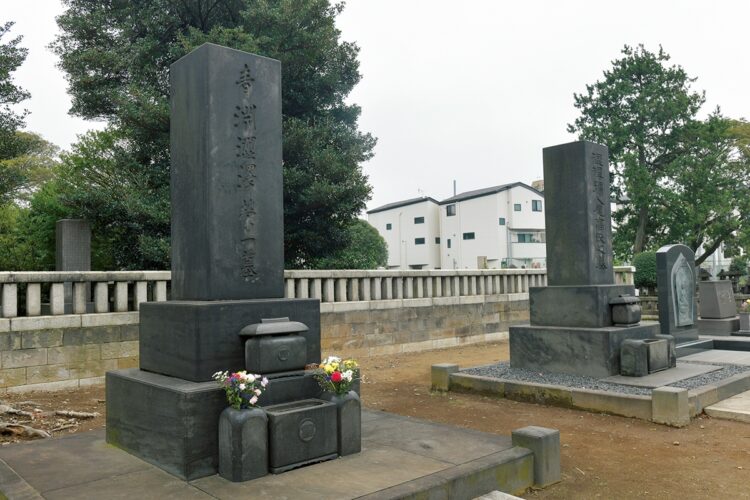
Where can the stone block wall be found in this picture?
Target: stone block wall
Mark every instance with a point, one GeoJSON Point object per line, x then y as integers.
{"type": "Point", "coordinates": [64, 352]}
{"type": "Point", "coordinates": [360, 329]}
{"type": "Point", "coordinates": [75, 350]}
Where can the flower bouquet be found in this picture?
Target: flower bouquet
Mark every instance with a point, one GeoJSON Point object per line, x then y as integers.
{"type": "Point", "coordinates": [745, 306]}
{"type": "Point", "coordinates": [242, 389]}
{"type": "Point", "coordinates": [336, 375]}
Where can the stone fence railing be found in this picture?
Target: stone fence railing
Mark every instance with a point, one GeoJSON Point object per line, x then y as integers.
{"type": "Point", "coordinates": [46, 293]}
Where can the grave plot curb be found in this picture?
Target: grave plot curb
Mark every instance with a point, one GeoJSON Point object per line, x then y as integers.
{"type": "Point", "coordinates": [671, 407]}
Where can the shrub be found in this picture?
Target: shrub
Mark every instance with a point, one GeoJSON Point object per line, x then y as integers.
{"type": "Point", "coordinates": [645, 270]}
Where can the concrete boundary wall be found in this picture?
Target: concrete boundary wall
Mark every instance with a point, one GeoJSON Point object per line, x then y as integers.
{"type": "Point", "coordinates": [75, 350]}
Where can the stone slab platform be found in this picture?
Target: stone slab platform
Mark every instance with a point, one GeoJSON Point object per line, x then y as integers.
{"type": "Point", "coordinates": [659, 379]}
{"type": "Point", "coordinates": [735, 408]}
{"type": "Point", "coordinates": [400, 457]}
{"type": "Point", "coordinates": [721, 356]}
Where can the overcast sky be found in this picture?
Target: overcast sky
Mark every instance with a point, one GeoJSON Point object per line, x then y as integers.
{"type": "Point", "coordinates": [465, 90]}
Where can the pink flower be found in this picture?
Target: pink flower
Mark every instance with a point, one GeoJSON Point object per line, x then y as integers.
{"type": "Point", "coordinates": [253, 400]}
{"type": "Point", "coordinates": [257, 392]}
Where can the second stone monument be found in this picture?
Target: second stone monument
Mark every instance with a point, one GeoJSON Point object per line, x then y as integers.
{"type": "Point", "coordinates": [579, 321]}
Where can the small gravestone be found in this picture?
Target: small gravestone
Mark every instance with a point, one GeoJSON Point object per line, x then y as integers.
{"type": "Point", "coordinates": [676, 280]}
{"type": "Point", "coordinates": [73, 253]}
{"type": "Point", "coordinates": [718, 309]}
{"type": "Point", "coordinates": [572, 326]}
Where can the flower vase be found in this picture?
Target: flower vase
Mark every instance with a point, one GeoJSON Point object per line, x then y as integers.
{"type": "Point", "coordinates": [348, 421]}
{"type": "Point", "coordinates": [243, 444]}
{"type": "Point", "coordinates": [745, 322]}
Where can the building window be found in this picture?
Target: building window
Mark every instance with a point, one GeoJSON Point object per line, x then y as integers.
{"type": "Point", "coordinates": [449, 242]}
{"type": "Point", "coordinates": [437, 240]}
{"type": "Point", "coordinates": [388, 226]}
{"type": "Point", "coordinates": [517, 207]}
{"type": "Point", "coordinates": [419, 241]}
{"type": "Point", "coordinates": [536, 205]}
{"type": "Point", "coordinates": [450, 210]}
{"type": "Point", "coordinates": [533, 237]}
{"type": "Point", "coordinates": [468, 236]}
{"type": "Point", "coordinates": [418, 220]}
{"type": "Point", "coordinates": [502, 221]}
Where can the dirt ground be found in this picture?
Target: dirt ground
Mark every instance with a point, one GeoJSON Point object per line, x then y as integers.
{"type": "Point", "coordinates": [603, 456]}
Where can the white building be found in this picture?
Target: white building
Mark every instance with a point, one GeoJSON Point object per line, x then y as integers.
{"type": "Point", "coordinates": [496, 227]}
{"type": "Point", "coordinates": [411, 229]}
{"type": "Point", "coordinates": [501, 226]}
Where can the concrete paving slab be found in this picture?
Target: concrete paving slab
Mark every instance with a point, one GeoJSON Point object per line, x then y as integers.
{"type": "Point", "coordinates": [659, 379]}
{"type": "Point", "coordinates": [399, 454]}
{"type": "Point", "coordinates": [80, 458]}
{"type": "Point", "coordinates": [720, 356]}
{"type": "Point", "coordinates": [735, 408]}
{"type": "Point", "coordinates": [151, 483]}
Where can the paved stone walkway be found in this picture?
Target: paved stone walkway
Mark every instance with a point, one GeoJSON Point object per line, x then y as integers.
{"type": "Point", "coordinates": [735, 408]}
{"type": "Point", "coordinates": [400, 456]}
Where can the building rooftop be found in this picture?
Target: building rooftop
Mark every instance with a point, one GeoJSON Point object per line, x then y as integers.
{"type": "Point", "coordinates": [404, 203]}
{"type": "Point", "coordinates": [477, 193]}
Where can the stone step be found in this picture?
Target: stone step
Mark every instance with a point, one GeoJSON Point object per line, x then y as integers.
{"type": "Point", "coordinates": [735, 408]}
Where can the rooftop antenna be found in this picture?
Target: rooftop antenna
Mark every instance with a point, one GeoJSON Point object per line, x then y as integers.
{"type": "Point", "coordinates": [454, 187]}
{"type": "Point", "coordinates": [420, 193]}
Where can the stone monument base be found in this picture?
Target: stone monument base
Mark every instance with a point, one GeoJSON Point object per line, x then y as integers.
{"type": "Point", "coordinates": [562, 305]}
{"type": "Point", "coordinates": [194, 339]}
{"type": "Point", "coordinates": [723, 326]}
{"type": "Point", "coordinates": [173, 423]}
{"type": "Point", "coordinates": [594, 352]}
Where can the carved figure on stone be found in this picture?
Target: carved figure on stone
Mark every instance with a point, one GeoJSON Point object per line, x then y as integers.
{"type": "Point", "coordinates": [683, 290]}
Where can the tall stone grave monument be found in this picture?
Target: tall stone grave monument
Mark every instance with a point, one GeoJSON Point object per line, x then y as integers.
{"type": "Point", "coordinates": [227, 268]}
{"type": "Point", "coordinates": [718, 309]}
{"type": "Point", "coordinates": [573, 328]}
{"type": "Point", "coordinates": [675, 281]}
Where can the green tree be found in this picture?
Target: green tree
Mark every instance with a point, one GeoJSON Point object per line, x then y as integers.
{"type": "Point", "coordinates": [117, 54]}
{"type": "Point", "coordinates": [678, 177]}
{"type": "Point", "coordinates": [638, 111]}
{"type": "Point", "coordinates": [31, 162]}
{"type": "Point", "coordinates": [365, 249]}
{"type": "Point", "coordinates": [12, 55]}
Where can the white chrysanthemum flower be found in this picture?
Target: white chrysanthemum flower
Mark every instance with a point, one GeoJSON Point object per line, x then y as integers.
{"type": "Point", "coordinates": [253, 400]}
{"type": "Point", "coordinates": [257, 392]}
{"type": "Point", "coordinates": [242, 387]}
{"type": "Point", "coordinates": [250, 377]}
{"type": "Point", "coordinates": [348, 375]}
{"type": "Point", "coordinates": [264, 382]}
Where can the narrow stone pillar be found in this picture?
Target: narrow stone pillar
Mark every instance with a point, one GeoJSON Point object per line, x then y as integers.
{"type": "Point", "coordinates": [79, 297]}
{"type": "Point", "coordinates": [33, 299]}
{"type": "Point", "coordinates": [341, 290]}
{"type": "Point", "coordinates": [377, 291]}
{"type": "Point", "coordinates": [160, 291]}
{"type": "Point", "coordinates": [121, 296]}
{"type": "Point", "coordinates": [57, 299]}
{"type": "Point", "coordinates": [10, 300]}
{"type": "Point", "coordinates": [101, 296]}
{"type": "Point", "coordinates": [366, 289]}
{"type": "Point", "coordinates": [329, 291]}
{"type": "Point", "coordinates": [409, 288]}
{"type": "Point", "coordinates": [141, 294]}
{"type": "Point", "coordinates": [304, 291]}
{"type": "Point", "coordinates": [317, 288]}
{"type": "Point", "coordinates": [289, 292]}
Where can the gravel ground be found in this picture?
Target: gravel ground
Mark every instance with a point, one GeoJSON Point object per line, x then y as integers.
{"type": "Point", "coordinates": [504, 371]}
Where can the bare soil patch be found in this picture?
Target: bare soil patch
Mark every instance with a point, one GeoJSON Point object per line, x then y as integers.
{"type": "Point", "coordinates": [603, 456]}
